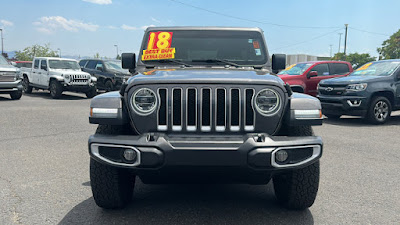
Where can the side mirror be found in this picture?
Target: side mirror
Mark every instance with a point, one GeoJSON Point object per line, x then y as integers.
{"type": "Point", "coordinates": [312, 74]}
{"type": "Point", "coordinates": [278, 62]}
{"type": "Point", "coordinates": [43, 67]}
{"type": "Point", "coordinates": [128, 61]}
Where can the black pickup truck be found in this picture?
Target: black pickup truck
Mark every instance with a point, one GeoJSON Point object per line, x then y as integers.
{"type": "Point", "coordinates": [372, 91]}
{"type": "Point", "coordinates": [203, 106]}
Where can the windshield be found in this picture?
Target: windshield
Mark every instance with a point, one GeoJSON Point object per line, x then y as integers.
{"type": "Point", "coordinates": [296, 69]}
{"type": "Point", "coordinates": [200, 47]}
{"type": "Point", "coordinates": [3, 61]}
{"type": "Point", "coordinates": [379, 68]}
{"type": "Point", "coordinates": [114, 65]}
{"type": "Point", "coordinates": [63, 64]}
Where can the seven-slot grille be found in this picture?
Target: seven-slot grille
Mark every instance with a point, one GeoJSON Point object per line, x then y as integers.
{"type": "Point", "coordinates": [206, 109]}
{"type": "Point", "coordinates": [79, 79]}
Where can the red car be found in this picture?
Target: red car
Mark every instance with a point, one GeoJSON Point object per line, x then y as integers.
{"type": "Point", "coordinates": [23, 64]}
{"type": "Point", "coordinates": [304, 77]}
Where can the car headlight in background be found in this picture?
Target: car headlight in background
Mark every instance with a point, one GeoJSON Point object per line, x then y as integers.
{"type": "Point", "coordinates": [267, 102]}
{"type": "Point", "coordinates": [356, 87]}
{"type": "Point", "coordinates": [144, 101]}
{"type": "Point", "coordinates": [66, 76]}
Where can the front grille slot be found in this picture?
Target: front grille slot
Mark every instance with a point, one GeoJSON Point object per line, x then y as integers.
{"type": "Point", "coordinates": [220, 109]}
{"type": "Point", "coordinates": [205, 116]}
{"type": "Point", "coordinates": [191, 110]}
{"type": "Point", "coordinates": [235, 109]}
{"type": "Point", "coordinates": [162, 113]}
{"type": "Point", "coordinates": [249, 111]}
{"type": "Point", "coordinates": [177, 109]}
{"type": "Point", "coordinates": [206, 109]}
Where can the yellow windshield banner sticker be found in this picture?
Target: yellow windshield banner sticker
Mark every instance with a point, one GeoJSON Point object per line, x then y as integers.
{"type": "Point", "coordinates": [159, 46]}
{"type": "Point", "coordinates": [364, 67]}
{"type": "Point", "coordinates": [290, 67]}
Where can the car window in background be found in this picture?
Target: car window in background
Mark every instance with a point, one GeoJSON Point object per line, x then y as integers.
{"type": "Point", "coordinates": [296, 69]}
{"type": "Point", "coordinates": [384, 68]}
{"type": "Point", "coordinates": [114, 65]}
{"type": "Point", "coordinates": [36, 64]}
{"type": "Point", "coordinates": [322, 69]}
{"type": "Point", "coordinates": [43, 63]}
{"type": "Point", "coordinates": [82, 63]}
{"type": "Point", "coordinates": [99, 64]}
{"type": "Point", "coordinates": [63, 64]}
{"type": "Point", "coordinates": [339, 68]}
{"type": "Point", "coordinates": [91, 64]}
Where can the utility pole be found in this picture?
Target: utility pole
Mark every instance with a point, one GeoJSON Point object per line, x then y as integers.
{"type": "Point", "coordinates": [117, 50]}
{"type": "Point", "coordinates": [2, 50]}
{"type": "Point", "coordinates": [340, 40]}
{"type": "Point", "coordinates": [345, 40]}
{"type": "Point", "coordinates": [330, 53]}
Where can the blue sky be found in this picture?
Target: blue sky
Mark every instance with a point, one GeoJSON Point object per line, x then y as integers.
{"type": "Point", "coordinates": [85, 27]}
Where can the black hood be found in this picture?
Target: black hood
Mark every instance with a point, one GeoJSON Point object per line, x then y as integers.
{"type": "Point", "coordinates": [205, 75]}
{"type": "Point", "coordinates": [350, 80]}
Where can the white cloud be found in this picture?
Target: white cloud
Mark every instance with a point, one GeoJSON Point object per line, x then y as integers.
{"type": "Point", "coordinates": [154, 19]}
{"type": "Point", "coordinates": [112, 27]}
{"type": "Point", "coordinates": [145, 27]}
{"type": "Point", "coordinates": [52, 23]}
{"type": "Point", "coordinates": [100, 2]}
{"type": "Point", "coordinates": [6, 23]}
{"type": "Point", "coordinates": [126, 27]}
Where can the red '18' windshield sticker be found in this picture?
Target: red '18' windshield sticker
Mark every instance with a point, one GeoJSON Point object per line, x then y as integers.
{"type": "Point", "coordinates": [159, 46]}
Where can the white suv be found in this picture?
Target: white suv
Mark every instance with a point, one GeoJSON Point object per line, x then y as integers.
{"type": "Point", "coordinates": [58, 75]}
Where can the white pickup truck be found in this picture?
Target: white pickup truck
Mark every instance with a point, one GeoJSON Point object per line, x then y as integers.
{"type": "Point", "coordinates": [58, 75]}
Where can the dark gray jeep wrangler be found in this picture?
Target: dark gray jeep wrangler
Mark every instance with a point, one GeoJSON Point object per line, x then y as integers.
{"type": "Point", "coordinates": [203, 107]}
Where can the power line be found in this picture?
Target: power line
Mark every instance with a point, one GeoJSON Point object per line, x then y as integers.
{"type": "Point", "coordinates": [248, 20]}
{"type": "Point", "coordinates": [308, 40]}
{"type": "Point", "coordinates": [370, 32]}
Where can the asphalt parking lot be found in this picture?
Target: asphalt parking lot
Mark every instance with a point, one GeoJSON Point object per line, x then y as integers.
{"type": "Point", "coordinates": [44, 175]}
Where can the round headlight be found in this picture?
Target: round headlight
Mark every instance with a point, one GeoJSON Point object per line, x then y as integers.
{"type": "Point", "coordinates": [144, 101]}
{"type": "Point", "coordinates": [66, 76]}
{"type": "Point", "coordinates": [267, 102]}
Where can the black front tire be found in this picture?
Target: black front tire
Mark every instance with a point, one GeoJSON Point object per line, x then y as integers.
{"type": "Point", "coordinates": [91, 93]}
{"type": "Point", "coordinates": [379, 110]}
{"type": "Point", "coordinates": [25, 84]}
{"type": "Point", "coordinates": [112, 187]}
{"type": "Point", "coordinates": [16, 95]}
{"type": "Point", "coordinates": [55, 89]}
{"type": "Point", "coordinates": [109, 86]}
{"type": "Point", "coordinates": [297, 189]}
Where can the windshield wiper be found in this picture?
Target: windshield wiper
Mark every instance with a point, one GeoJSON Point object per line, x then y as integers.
{"type": "Point", "coordinates": [216, 60]}
{"type": "Point", "coordinates": [174, 61]}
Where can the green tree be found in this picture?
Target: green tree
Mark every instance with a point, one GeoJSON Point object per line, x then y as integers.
{"type": "Point", "coordinates": [355, 59]}
{"type": "Point", "coordinates": [391, 47]}
{"type": "Point", "coordinates": [35, 50]}
{"type": "Point", "coordinates": [97, 55]}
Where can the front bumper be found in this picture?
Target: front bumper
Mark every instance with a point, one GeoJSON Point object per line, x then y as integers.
{"type": "Point", "coordinates": [9, 87]}
{"type": "Point", "coordinates": [344, 105]}
{"type": "Point", "coordinates": [78, 88]}
{"type": "Point", "coordinates": [250, 153]}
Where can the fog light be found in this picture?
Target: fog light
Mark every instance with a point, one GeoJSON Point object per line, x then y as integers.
{"type": "Point", "coordinates": [281, 155]}
{"type": "Point", "coordinates": [129, 154]}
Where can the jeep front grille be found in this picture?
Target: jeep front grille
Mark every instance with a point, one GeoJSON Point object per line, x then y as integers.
{"type": "Point", "coordinates": [205, 109]}
{"type": "Point", "coordinates": [78, 79]}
